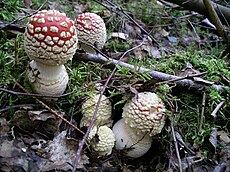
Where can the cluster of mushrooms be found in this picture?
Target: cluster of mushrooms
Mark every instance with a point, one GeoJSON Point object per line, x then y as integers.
{"type": "Point", "coordinates": [51, 39]}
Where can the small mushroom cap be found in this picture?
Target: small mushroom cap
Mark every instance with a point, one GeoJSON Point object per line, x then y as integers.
{"type": "Point", "coordinates": [128, 139]}
{"type": "Point", "coordinates": [50, 37]}
{"type": "Point", "coordinates": [104, 141]}
{"type": "Point", "coordinates": [103, 114]}
{"type": "Point", "coordinates": [47, 80]}
{"type": "Point", "coordinates": [145, 112]}
{"type": "Point", "coordinates": [91, 29]}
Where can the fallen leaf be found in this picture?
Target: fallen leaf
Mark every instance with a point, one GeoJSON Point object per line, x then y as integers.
{"type": "Point", "coordinates": [61, 154]}
{"type": "Point", "coordinates": [164, 32]}
{"type": "Point", "coordinates": [119, 35]}
{"type": "Point", "coordinates": [224, 136]}
{"type": "Point", "coordinates": [213, 138]}
{"type": "Point", "coordinates": [172, 39]}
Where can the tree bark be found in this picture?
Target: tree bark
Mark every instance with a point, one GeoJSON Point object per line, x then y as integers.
{"type": "Point", "coordinates": [198, 6]}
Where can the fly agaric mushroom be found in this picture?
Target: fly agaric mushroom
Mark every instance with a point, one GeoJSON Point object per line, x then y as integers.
{"type": "Point", "coordinates": [90, 29]}
{"type": "Point", "coordinates": [104, 140]}
{"type": "Point", "coordinates": [50, 37]}
{"type": "Point", "coordinates": [103, 114]}
{"type": "Point", "coordinates": [128, 139]}
{"type": "Point", "coordinates": [47, 80]}
{"type": "Point", "coordinates": [145, 112]}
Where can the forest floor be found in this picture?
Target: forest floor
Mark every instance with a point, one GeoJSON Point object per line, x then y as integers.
{"type": "Point", "coordinates": [155, 35]}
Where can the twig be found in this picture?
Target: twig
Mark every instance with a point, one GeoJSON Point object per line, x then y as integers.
{"type": "Point", "coordinates": [118, 8]}
{"type": "Point", "coordinates": [198, 6]}
{"type": "Point", "coordinates": [194, 30]}
{"type": "Point", "coordinates": [216, 21]}
{"type": "Point", "coordinates": [176, 147]}
{"type": "Point", "coordinates": [19, 19]}
{"type": "Point", "coordinates": [81, 143]}
{"type": "Point", "coordinates": [16, 106]}
{"type": "Point", "coordinates": [49, 109]}
{"type": "Point", "coordinates": [185, 77]}
{"type": "Point", "coordinates": [159, 76]}
{"type": "Point", "coordinates": [202, 112]}
{"type": "Point", "coordinates": [32, 94]}
{"type": "Point", "coordinates": [214, 112]}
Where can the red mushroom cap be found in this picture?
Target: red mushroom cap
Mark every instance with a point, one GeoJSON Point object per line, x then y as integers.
{"type": "Point", "coordinates": [50, 37]}
{"type": "Point", "coordinates": [91, 29]}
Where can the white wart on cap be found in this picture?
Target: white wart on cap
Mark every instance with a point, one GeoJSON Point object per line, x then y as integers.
{"type": "Point", "coordinates": [134, 145]}
{"type": "Point", "coordinates": [145, 112]}
{"type": "Point", "coordinates": [50, 37]}
{"type": "Point", "coordinates": [104, 112]}
{"type": "Point", "coordinates": [104, 140]}
{"type": "Point", "coordinates": [47, 80]}
{"type": "Point", "coordinates": [91, 29]}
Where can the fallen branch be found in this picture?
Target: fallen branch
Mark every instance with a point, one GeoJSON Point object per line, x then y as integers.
{"type": "Point", "coordinates": [159, 76]}
{"type": "Point", "coordinates": [198, 6]}
{"type": "Point", "coordinates": [216, 21]}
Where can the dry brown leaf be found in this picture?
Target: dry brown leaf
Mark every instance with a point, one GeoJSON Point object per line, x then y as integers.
{"type": "Point", "coordinates": [61, 154]}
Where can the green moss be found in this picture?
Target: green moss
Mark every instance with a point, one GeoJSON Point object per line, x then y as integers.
{"type": "Point", "coordinates": [9, 10]}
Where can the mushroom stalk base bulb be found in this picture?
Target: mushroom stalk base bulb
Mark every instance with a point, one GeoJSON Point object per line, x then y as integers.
{"type": "Point", "coordinates": [47, 80]}
{"type": "Point", "coordinates": [135, 145]}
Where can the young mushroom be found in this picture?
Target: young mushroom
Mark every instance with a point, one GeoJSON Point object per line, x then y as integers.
{"type": "Point", "coordinates": [127, 138]}
{"type": "Point", "coordinates": [145, 112]}
{"type": "Point", "coordinates": [50, 37]}
{"type": "Point", "coordinates": [48, 80]}
{"type": "Point", "coordinates": [102, 140]}
{"type": "Point", "coordinates": [90, 29]}
{"type": "Point", "coordinates": [143, 117]}
{"type": "Point", "coordinates": [104, 113]}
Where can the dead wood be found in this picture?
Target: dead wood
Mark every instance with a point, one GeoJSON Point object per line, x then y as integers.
{"type": "Point", "coordinates": [198, 6]}
{"type": "Point", "coordinates": [156, 75]}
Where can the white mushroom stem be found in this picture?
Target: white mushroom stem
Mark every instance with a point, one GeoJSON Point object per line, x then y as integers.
{"type": "Point", "coordinates": [134, 144]}
{"type": "Point", "coordinates": [47, 80]}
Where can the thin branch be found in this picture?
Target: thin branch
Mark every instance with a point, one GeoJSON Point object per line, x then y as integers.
{"type": "Point", "coordinates": [32, 94]}
{"type": "Point", "coordinates": [22, 18]}
{"type": "Point", "coordinates": [16, 106]}
{"type": "Point", "coordinates": [185, 77]}
{"type": "Point", "coordinates": [159, 76]}
{"type": "Point", "coordinates": [49, 109]}
{"type": "Point", "coordinates": [198, 6]}
{"type": "Point", "coordinates": [202, 112]}
{"type": "Point", "coordinates": [119, 9]}
{"type": "Point", "coordinates": [176, 147]}
{"type": "Point", "coordinates": [216, 21]}
{"type": "Point", "coordinates": [217, 109]}
{"type": "Point", "coordinates": [81, 143]}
